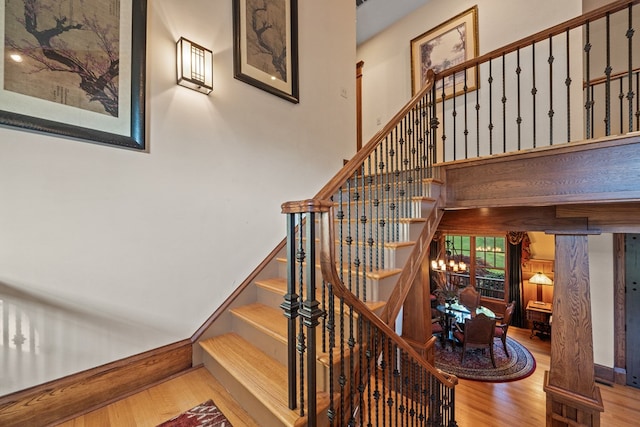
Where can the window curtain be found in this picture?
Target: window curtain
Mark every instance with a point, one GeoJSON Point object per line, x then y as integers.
{"type": "Point", "coordinates": [518, 254]}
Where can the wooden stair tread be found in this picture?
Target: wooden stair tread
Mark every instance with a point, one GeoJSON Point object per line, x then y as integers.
{"type": "Point", "coordinates": [268, 320]}
{"type": "Point", "coordinates": [257, 372]}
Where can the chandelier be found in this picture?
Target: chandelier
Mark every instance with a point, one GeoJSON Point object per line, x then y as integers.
{"type": "Point", "coordinates": [451, 263]}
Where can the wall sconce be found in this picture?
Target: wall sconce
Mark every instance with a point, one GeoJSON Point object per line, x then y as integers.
{"type": "Point", "coordinates": [195, 66]}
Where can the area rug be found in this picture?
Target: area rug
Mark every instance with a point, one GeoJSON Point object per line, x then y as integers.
{"type": "Point", "coordinates": [477, 365]}
{"type": "Point", "coordinates": [205, 414]}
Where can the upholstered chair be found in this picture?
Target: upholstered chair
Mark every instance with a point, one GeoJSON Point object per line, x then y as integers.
{"type": "Point", "coordinates": [478, 333]}
{"type": "Point", "coordinates": [502, 325]}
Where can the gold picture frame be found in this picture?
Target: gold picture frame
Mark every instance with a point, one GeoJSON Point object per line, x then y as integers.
{"type": "Point", "coordinates": [450, 43]}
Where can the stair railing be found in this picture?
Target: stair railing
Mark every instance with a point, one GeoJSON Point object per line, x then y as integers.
{"type": "Point", "coordinates": [373, 375]}
{"type": "Point", "coordinates": [377, 197]}
{"type": "Point", "coordinates": [560, 85]}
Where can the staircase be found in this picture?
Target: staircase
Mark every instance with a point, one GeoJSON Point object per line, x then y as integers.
{"type": "Point", "coordinates": [250, 356]}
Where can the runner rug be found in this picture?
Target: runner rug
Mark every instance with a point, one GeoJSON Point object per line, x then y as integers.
{"type": "Point", "coordinates": [477, 365]}
{"type": "Point", "coordinates": [206, 414]}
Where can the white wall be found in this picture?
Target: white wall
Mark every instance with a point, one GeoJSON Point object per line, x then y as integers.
{"type": "Point", "coordinates": [386, 83]}
{"type": "Point", "coordinates": [602, 304]}
{"type": "Point", "coordinates": [164, 237]}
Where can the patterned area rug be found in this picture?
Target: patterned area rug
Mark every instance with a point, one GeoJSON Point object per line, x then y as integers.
{"type": "Point", "coordinates": [477, 365]}
{"type": "Point", "coordinates": [205, 414]}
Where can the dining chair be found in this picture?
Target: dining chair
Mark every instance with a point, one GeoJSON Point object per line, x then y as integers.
{"type": "Point", "coordinates": [503, 326]}
{"type": "Point", "coordinates": [470, 298]}
{"type": "Point", "coordinates": [478, 333]}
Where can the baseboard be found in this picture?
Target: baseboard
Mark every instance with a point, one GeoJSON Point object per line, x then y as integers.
{"type": "Point", "coordinates": [605, 374]}
{"type": "Point", "coordinates": [80, 393]}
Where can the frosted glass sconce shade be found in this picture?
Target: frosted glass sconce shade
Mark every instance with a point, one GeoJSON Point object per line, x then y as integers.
{"type": "Point", "coordinates": [195, 66]}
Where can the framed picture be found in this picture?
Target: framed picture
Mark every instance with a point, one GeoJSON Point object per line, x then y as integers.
{"type": "Point", "coordinates": [75, 68]}
{"type": "Point", "coordinates": [265, 45]}
{"type": "Point", "coordinates": [450, 43]}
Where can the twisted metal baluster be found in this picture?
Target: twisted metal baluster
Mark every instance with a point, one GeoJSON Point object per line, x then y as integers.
{"type": "Point", "coordinates": [630, 94]}
{"type": "Point", "coordinates": [551, 112]}
{"type": "Point", "coordinates": [567, 82]}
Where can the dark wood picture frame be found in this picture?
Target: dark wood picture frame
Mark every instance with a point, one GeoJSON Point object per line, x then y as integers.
{"type": "Point", "coordinates": [112, 93]}
{"type": "Point", "coordinates": [267, 61]}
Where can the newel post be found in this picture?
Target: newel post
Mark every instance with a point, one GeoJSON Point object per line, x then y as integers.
{"type": "Point", "coordinates": [572, 395]}
{"type": "Point", "coordinates": [304, 305]}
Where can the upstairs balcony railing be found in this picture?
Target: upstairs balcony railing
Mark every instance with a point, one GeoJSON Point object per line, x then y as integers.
{"type": "Point", "coordinates": [577, 80]}
{"type": "Point", "coordinates": [560, 85]}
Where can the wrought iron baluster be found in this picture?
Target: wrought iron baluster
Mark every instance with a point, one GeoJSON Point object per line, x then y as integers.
{"type": "Point", "coordinates": [466, 116]}
{"type": "Point", "coordinates": [379, 229]}
{"type": "Point", "coordinates": [519, 113]}
{"type": "Point", "coordinates": [551, 112]}
{"type": "Point", "coordinates": [504, 107]}
{"type": "Point", "coordinates": [534, 90]}
{"type": "Point", "coordinates": [394, 177]}
{"type": "Point", "coordinates": [588, 88]}
{"type": "Point", "coordinates": [490, 80]}
{"type": "Point", "coordinates": [332, 345]}
{"type": "Point", "coordinates": [349, 239]}
{"type": "Point", "coordinates": [637, 101]}
{"type": "Point", "coordinates": [477, 119]}
{"type": "Point", "coordinates": [454, 115]}
{"type": "Point", "coordinates": [290, 307]}
{"type": "Point", "coordinates": [621, 103]}
{"type": "Point", "coordinates": [355, 267]}
{"type": "Point", "coordinates": [567, 82]}
{"type": "Point", "coordinates": [607, 72]}
{"type": "Point", "coordinates": [630, 93]}
{"type": "Point", "coordinates": [444, 127]}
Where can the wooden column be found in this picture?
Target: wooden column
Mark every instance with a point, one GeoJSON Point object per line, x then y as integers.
{"type": "Point", "coordinates": [572, 396]}
{"type": "Point", "coordinates": [416, 316]}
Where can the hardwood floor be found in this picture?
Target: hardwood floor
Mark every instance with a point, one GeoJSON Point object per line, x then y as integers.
{"type": "Point", "coordinates": [519, 403]}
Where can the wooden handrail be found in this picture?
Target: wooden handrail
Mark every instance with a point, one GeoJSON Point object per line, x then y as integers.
{"type": "Point", "coordinates": [603, 79]}
{"type": "Point", "coordinates": [352, 165]}
{"type": "Point", "coordinates": [540, 36]}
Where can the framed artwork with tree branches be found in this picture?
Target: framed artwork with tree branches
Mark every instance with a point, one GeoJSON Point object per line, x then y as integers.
{"type": "Point", "coordinates": [75, 68]}
{"type": "Point", "coordinates": [266, 45]}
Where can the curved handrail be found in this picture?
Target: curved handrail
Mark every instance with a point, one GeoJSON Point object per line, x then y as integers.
{"type": "Point", "coordinates": [327, 255]}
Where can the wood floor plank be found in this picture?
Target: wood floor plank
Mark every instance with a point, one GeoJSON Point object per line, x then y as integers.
{"type": "Point", "coordinates": [478, 404]}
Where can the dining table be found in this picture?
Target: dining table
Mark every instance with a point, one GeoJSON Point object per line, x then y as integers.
{"type": "Point", "coordinates": [456, 314]}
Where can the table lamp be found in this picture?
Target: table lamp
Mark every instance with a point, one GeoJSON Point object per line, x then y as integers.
{"type": "Point", "coordinates": [540, 279]}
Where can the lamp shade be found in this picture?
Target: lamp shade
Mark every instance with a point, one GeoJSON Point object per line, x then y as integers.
{"type": "Point", "coordinates": [194, 66]}
{"type": "Point", "coordinates": [540, 279]}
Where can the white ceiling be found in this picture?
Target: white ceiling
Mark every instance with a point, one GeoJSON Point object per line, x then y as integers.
{"type": "Point", "coordinates": [373, 16]}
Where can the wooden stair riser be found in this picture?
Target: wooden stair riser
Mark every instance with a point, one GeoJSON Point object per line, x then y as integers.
{"type": "Point", "coordinates": [392, 255]}
{"type": "Point", "coordinates": [273, 343]}
{"type": "Point", "coordinates": [256, 381]}
{"type": "Point", "coordinates": [400, 230]}
{"type": "Point", "coordinates": [428, 188]}
{"type": "Point", "coordinates": [416, 207]}
{"type": "Point", "coordinates": [378, 288]}
{"type": "Point", "coordinates": [241, 394]}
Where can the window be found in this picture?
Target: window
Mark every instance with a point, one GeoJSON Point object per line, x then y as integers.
{"type": "Point", "coordinates": [485, 257]}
